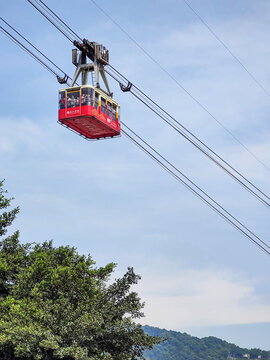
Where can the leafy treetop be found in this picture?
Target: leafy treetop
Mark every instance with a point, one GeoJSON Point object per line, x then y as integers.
{"type": "Point", "coordinates": [56, 304]}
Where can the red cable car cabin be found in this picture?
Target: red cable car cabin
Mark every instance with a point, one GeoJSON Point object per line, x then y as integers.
{"type": "Point", "coordinates": [89, 112]}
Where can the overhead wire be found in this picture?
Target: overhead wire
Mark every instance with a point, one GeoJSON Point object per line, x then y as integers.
{"type": "Point", "coordinates": [196, 193]}
{"type": "Point", "coordinates": [188, 135]}
{"type": "Point", "coordinates": [53, 23]}
{"type": "Point", "coordinates": [195, 189]}
{"type": "Point", "coordinates": [34, 47]}
{"type": "Point", "coordinates": [192, 183]}
{"type": "Point", "coordinates": [226, 47]}
{"type": "Point", "coordinates": [58, 19]}
{"type": "Point", "coordinates": [182, 87]}
{"type": "Point", "coordinates": [23, 47]}
{"type": "Point", "coordinates": [194, 140]}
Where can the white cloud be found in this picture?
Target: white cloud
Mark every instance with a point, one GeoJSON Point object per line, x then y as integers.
{"type": "Point", "coordinates": [201, 298]}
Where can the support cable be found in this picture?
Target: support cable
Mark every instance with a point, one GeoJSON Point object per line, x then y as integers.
{"type": "Point", "coordinates": [196, 190]}
{"type": "Point", "coordinates": [227, 48]}
{"type": "Point", "coordinates": [204, 148]}
{"type": "Point", "coordinates": [194, 140]}
{"type": "Point", "coordinates": [208, 203]}
{"type": "Point", "coordinates": [29, 52]}
{"type": "Point", "coordinates": [184, 89]}
{"type": "Point", "coordinates": [51, 21]}
{"type": "Point", "coordinates": [192, 183]}
{"type": "Point", "coordinates": [59, 20]}
{"type": "Point", "coordinates": [28, 42]}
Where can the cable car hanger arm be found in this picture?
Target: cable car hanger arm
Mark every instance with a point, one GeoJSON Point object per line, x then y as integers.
{"type": "Point", "coordinates": [99, 56]}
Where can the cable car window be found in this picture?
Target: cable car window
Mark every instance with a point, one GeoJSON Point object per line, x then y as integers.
{"type": "Point", "coordinates": [103, 105]}
{"type": "Point", "coordinates": [62, 99]}
{"type": "Point", "coordinates": [109, 109]}
{"type": "Point", "coordinates": [87, 96]}
{"type": "Point", "coordinates": [114, 112]}
{"type": "Point", "coordinates": [73, 99]}
{"type": "Point", "coordinates": [96, 100]}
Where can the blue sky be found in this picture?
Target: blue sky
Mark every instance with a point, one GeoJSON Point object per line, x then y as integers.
{"type": "Point", "coordinates": [108, 199]}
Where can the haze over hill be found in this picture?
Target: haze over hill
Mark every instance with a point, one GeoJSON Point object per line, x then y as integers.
{"type": "Point", "coordinates": [181, 346]}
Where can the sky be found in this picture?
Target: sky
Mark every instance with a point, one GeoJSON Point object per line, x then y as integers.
{"type": "Point", "coordinates": [108, 199]}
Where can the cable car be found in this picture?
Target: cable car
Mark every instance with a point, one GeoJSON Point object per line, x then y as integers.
{"type": "Point", "coordinates": [89, 111]}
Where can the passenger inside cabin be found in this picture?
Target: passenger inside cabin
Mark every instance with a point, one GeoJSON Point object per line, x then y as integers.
{"type": "Point", "coordinates": [62, 102]}
{"type": "Point", "coordinates": [83, 99]}
{"type": "Point", "coordinates": [73, 99]}
{"type": "Point", "coordinates": [86, 98]}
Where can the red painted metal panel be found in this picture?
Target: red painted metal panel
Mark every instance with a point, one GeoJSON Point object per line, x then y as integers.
{"type": "Point", "coordinates": [89, 122]}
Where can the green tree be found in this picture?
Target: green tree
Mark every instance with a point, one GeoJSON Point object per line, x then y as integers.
{"type": "Point", "coordinates": [8, 254]}
{"type": "Point", "coordinates": [56, 304]}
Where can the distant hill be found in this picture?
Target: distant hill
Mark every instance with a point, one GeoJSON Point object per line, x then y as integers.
{"type": "Point", "coordinates": [181, 346]}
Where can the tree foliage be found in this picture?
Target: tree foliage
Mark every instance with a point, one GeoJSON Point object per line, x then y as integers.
{"type": "Point", "coordinates": [56, 304]}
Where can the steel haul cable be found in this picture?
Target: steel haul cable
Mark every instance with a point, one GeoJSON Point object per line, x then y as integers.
{"type": "Point", "coordinates": [194, 140]}
{"type": "Point", "coordinates": [188, 135]}
{"type": "Point", "coordinates": [263, 198]}
{"type": "Point", "coordinates": [34, 47]}
{"type": "Point", "coordinates": [183, 88]}
{"type": "Point", "coordinates": [196, 187]}
{"type": "Point", "coordinates": [191, 186]}
{"type": "Point", "coordinates": [51, 21]}
{"type": "Point", "coordinates": [59, 20]}
{"type": "Point", "coordinates": [227, 48]}
{"type": "Point", "coordinates": [16, 41]}
{"type": "Point", "coordinates": [219, 212]}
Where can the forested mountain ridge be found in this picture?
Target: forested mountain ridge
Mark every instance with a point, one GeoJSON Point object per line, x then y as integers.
{"type": "Point", "coordinates": [181, 346]}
